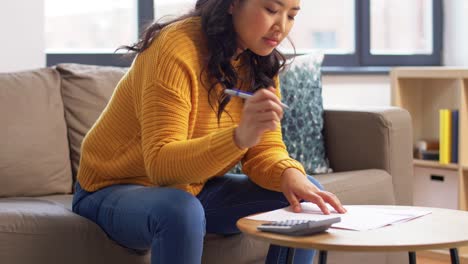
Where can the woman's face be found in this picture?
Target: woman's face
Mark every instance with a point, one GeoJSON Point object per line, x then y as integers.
{"type": "Point", "coordinates": [262, 24]}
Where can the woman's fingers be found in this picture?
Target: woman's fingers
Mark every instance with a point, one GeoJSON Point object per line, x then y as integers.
{"type": "Point", "coordinates": [293, 201]}
{"type": "Point", "coordinates": [267, 116]}
{"type": "Point", "coordinates": [262, 112]}
{"type": "Point", "coordinates": [321, 198]}
{"type": "Point", "coordinates": [295, 185]}
{"type": "Point", "coordinates": [263, 94]}
{"type": "Point", "coordinates": [311, 197]}
{"type": "Point", "coordinates": [264, 105]}
{"type": "Point", "coordinates": [319, 201]}
{"type": "Point", "coordinates": [332, 200]}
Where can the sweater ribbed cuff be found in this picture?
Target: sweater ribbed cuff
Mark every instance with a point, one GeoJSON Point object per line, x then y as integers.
{"type": "Point", "coordinates": [279, 168]}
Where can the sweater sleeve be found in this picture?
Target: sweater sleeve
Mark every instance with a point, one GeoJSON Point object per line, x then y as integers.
{"type": "Point", "coordinates": [167, 115]}
{"type": "Point", "coordinates": [265, 162]}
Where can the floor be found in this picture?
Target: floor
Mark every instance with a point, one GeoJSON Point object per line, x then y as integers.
{"type": "Point", "coordinates": [429, 260]}
{"type": "Point", "coordinates": [426, 260]}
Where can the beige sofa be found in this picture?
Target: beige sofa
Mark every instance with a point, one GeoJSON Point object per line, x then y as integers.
{"type": "Point", "coordinates": [46, 112]}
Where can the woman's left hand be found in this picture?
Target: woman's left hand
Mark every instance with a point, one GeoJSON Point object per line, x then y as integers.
{"type": "Point", "coordinates": [296, 187]}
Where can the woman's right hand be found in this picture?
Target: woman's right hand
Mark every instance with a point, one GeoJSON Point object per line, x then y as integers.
{"type": "Point", "coordinates": [262, 112]}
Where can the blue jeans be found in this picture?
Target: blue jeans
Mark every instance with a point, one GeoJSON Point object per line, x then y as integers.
{"type": "Point", "coordinates": [172, 222]}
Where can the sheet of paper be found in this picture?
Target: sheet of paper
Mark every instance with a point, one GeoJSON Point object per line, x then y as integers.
{"type": "Point", "coordinates": [357, 217]}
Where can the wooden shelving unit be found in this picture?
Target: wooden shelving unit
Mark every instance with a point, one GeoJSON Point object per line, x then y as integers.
{"type": "Point", "coordinates": [423, 91]}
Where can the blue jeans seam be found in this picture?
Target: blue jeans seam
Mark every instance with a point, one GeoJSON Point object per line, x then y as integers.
{"type": "Point", "coordinates": [210, 194]}
{"type": "Point", "coordinates": [243, 204]}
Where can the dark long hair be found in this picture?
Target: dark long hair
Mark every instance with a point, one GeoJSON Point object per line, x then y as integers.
{"type": "Point", "coordinates": [221, 38]}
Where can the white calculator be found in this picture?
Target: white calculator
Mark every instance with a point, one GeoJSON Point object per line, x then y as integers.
{"type": "Point", "coordinates": [299, 227]}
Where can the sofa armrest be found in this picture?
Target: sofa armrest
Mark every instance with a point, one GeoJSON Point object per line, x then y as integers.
{"type": "Point", "coordinates": [372, 139]}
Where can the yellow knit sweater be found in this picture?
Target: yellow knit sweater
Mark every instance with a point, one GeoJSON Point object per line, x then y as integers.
{"type": "Point", "coordinates": [159, 129]}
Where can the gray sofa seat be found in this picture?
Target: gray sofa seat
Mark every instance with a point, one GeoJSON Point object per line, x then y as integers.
{"type": "Point", "coordinates": [44, 230]}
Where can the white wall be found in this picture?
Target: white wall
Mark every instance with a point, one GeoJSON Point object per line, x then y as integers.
{"type": "Point", "coordinates": [22, 35]}
{"type": "Point", "coordinates": [456, 33]}
{"type": "Point", "coordinates": [356, 91]}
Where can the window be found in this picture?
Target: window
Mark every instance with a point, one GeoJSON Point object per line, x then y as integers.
{"type": "Point", "coordinates": [168, 9]}
{"type": "Point", "coordinates": [71, 26]}
{"type": "Point", "coordinates": [325, 25]}
{"type": "Point", "coordinates": [359, 33]}
{"type": "Point", "coordinates": [401, 27]}
{"type": "Point", "coordinates": [89, 31]}
{"type": "Point", "coordinates": [401, 32]}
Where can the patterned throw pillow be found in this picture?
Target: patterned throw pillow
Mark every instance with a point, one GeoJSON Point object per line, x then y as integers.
{"type": "Point", "coordinates": [302, 124]}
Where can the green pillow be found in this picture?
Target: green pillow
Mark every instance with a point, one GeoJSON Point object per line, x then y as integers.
{"type": "Point", "coordinates": [302, 124]}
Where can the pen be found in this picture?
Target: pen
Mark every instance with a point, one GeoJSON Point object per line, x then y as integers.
{"type": "Point", "coordinates": [245, 95]}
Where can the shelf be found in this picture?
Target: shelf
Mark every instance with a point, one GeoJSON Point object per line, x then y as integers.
{"type": "Point", "coordinates": [434, 164]}
{"type": "Point", "coordinates": [430, 72]}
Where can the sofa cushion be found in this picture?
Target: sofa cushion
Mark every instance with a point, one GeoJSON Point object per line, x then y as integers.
{"type": "Point", "coordinates": [34, 230]}
{"type": "Point", "coordinates": [34, 156]}
{"type": "Point", "coordinates": [360, 187]}
{"type": "Point", "coordinates": [302, 124]}
{"type": "Point", "coordinates": [38, 225]}
{"type": "Point", "coordinates": [86, 89]}
{"type": "Point", "coordinates": [234, 249]}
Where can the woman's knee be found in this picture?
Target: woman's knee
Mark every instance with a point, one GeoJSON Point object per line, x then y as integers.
{"type": "Point", "coordinates": [178, 209]}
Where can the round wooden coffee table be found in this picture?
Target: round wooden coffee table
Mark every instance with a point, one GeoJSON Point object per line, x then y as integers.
{"type": "Point", "coordinates": [443, 228]}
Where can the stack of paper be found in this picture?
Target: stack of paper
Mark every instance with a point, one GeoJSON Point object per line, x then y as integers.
{"type": "Point", "coordinates": [357, 217]}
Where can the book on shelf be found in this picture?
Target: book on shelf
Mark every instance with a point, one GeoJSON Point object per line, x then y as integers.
{"type": "Point", "coordinates": [445, 116]}
{"type": "Point", "coordinates": [448, 136]}
{"type": "Point", "coordinates": [455, 139]}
